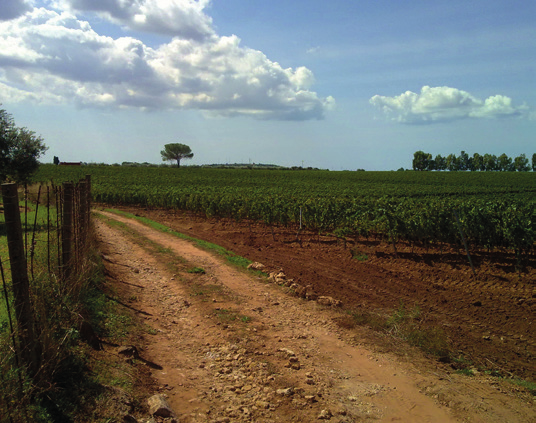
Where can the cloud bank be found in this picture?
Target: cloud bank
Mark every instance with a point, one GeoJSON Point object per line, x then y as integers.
{"type": "Point", "coordinates": [181, 18]}
{"type": "Point", "coordinates": [51, 55]}
{"type": "Point", "coordinates": [439, 104]}
{"type": "Point", "coordinates": [13, 8]}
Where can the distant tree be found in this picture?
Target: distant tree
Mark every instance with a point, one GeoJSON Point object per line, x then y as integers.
{"type": "Point", "coordinates": [463, 161]}
{"type": "Point", "coordinates": [521, 163]}
{"type": "Point", "coordinates": [176, 152]}
{"type": "Point", "coordinates": [20, 149]}
{"type": "Point", "coordinates": [534, 162]}
{"type": "Point", "coordinates": [476, 162]}
{"type": "Point", "coordinates": [504, 163]}
{"type": "Point", "coordinates": [452, 162]}
{"type": "Point", "coordinates": [56, 160]}
{"type": "Point", "coordinates": [490, 162]}
{"type": "Point", "coordinates": [421, 160]}
{"type": "Point", "coordinates": [440, 162]}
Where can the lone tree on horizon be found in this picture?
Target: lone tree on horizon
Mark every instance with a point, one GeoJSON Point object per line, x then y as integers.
{"type": "Point", "coordinates": [177, 152]}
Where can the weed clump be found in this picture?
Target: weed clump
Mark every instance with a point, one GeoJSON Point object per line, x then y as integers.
{"type": "Point", "coordinates": [403, 323]}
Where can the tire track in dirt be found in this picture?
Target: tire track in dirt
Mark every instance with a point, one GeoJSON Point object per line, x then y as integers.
{"type": "Point", "coordinates": [287, 361]}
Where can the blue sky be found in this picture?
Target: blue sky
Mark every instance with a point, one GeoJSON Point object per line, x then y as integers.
{"type": "Point", "coordinates": [338, 85]}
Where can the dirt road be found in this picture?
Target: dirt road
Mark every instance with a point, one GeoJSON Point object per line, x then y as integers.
{"type": "Point", "coordinates": [233, 347]}
{"type": "Point", "coordinates": [488, 320]}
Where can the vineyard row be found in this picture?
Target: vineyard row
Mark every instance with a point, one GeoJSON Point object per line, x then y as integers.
{"type": "Point", "coordinates": [486, 223]}
{"type": "Point", "coordinates": [494, 210]}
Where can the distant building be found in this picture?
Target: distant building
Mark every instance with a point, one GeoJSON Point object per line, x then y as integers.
{"type": "Point", "coordinates": [70, 163]}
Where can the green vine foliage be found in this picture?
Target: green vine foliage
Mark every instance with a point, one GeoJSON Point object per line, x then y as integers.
{"type": "Point", "coordinates": [495, 210]}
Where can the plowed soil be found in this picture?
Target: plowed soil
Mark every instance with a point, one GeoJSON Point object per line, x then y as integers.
{"type": "Point", "coordinates": [488, 318]}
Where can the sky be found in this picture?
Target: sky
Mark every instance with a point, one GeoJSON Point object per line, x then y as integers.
{"type": "Point", "coordinates": [339, 85]}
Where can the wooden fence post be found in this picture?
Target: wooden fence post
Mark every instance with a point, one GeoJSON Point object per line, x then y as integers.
{"type": "Point", "coordinates": [67, 229]}
{"type": "Point", "coordinates": [88, 198]}
{"type": "Point", "coordinates": [83, 210]}
{"type": "Point", "coordinates": [58, 194]}
{"type": "Point", "coordinates": [29, 344]}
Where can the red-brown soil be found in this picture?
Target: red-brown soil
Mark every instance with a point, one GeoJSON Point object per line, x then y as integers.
{"type": "Point", "coordinates": [224, 345]}
{"type": "Point", "coordinates": [488, 318]}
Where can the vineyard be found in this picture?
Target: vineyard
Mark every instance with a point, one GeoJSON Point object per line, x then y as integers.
{"type": "Point", "coordinates": [490, 210]}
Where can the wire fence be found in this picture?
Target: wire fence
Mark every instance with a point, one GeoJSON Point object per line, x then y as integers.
{"type": "Point", "coordinates": [46, 232]}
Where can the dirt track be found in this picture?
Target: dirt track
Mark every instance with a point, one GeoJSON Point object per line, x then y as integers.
{"type": "Point", "coordinates": [232, 346]}
{"type": "Point", "coordinates": [489, 319]}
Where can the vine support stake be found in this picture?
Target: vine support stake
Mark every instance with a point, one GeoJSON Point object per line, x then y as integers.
{"type": "Point", "coordinates": [464, 242]}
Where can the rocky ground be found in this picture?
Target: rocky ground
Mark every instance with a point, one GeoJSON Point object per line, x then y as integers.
{"type": "Point", "coordinates": [223, 345]}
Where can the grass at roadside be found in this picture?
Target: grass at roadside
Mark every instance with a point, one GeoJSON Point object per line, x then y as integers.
{"type": "Point", "coordinates": [405, 324]}
{"type": "Point", "coordinates": [227, 316]}
{"type": "Point", "coordinates": [197, 270]}
{"type": "Point", "coordinates": [205, 290]}
{"type": "Point", "coordinates": [528, 385]}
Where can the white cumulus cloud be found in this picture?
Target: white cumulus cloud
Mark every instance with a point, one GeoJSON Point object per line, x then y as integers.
{"type": "Point", "coordinates": [49, 55]}
{"type": "Point", "coordinates": [436, 104]}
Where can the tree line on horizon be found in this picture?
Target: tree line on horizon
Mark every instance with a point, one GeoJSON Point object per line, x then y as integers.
{"type": "Point", "coordinates": [476, 162]}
